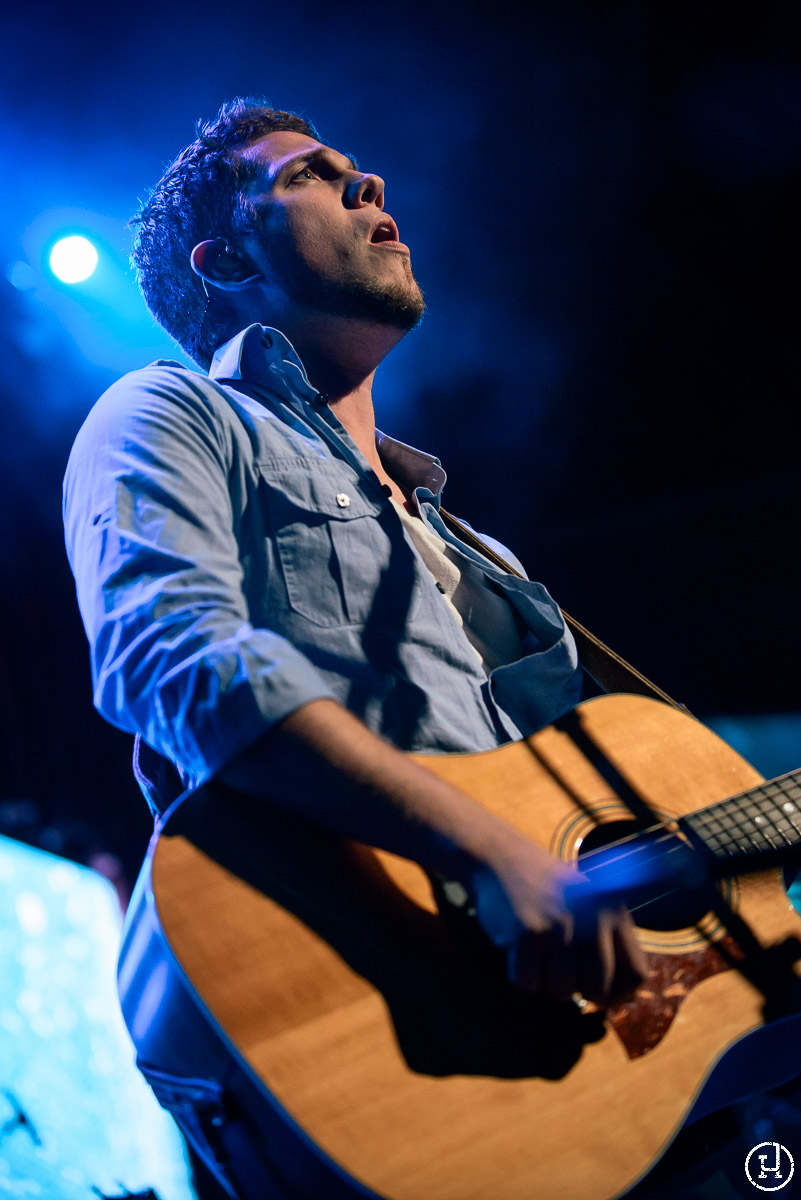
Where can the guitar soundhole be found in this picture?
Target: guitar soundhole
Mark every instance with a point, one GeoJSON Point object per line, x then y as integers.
{"type": "Point", "coordinates": [668, 900]}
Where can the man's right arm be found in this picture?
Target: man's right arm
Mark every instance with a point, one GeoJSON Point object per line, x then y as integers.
{"type": "Point", "coordinates": [325, 765]}
{"type": "Point", "coordinates": [175, 658]}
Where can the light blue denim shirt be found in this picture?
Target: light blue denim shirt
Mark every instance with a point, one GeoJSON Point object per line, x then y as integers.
{"type": "Point", "coordinates": [236, 557]}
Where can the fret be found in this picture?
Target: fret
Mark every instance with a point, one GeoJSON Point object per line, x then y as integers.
{"type": "Point", "coordinates": [766, 818]}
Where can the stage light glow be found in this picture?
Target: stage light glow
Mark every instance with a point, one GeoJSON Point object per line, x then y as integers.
{"type": "Point", "coordinates": [73, 259]}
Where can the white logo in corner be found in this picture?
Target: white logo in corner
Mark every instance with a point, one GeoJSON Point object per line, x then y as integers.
{"type": "Point", "coordinates": [769, 1166]}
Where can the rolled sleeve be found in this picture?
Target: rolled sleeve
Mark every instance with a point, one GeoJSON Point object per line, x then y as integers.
{"type": "Point", "coordinates": [151, 539]}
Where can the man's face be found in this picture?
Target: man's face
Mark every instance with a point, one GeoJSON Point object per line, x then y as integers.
{"type": "Point", "coordinates": [323, 241]}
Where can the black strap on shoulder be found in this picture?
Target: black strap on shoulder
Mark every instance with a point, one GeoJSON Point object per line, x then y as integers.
{"type": "Point", "coordinates": [611, 672]}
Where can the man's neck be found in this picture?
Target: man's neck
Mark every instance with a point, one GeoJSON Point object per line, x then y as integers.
{"type": "Point", "coordinates": [340, 358]}
{"type": "Point", "coordinates": [355, 411]}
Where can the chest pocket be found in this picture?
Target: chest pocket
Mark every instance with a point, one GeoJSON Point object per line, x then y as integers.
{"type": "Point", "coordinates": [343, 562]}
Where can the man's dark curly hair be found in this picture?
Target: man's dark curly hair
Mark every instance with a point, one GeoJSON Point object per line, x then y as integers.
{"type": "Point", "coordinates": [202, 195]}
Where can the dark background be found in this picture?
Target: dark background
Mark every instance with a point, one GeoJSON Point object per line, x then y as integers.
{"type": "Point", "coordinates": [601, 202]}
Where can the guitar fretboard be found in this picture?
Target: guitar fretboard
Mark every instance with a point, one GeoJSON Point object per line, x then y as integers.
{"type": "Point", "coordinates": [763, 820]}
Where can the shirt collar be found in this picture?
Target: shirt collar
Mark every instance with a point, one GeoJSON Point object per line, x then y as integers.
{"type": "Point", "coordinates": [409, 467]}
{"type": "Point", "coordinates": [263, 356]}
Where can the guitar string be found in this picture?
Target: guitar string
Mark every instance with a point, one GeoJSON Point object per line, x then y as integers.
{"type": "Point", "coordinates": [653, 829]}
{"type": "Point", "coordinates": [585, 864]}
{"type": "Point", "coordinates": [628, 855]}
{"type": "Point", "coordinates": [705, 815]}
{"type": "Point", "coordinates": [720, 812]}
{"type": "Point", "coordinates": [653, 899]}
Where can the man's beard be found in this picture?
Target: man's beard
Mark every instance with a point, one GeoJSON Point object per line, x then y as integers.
{"type": "Point", "coordinates": [400, 305]}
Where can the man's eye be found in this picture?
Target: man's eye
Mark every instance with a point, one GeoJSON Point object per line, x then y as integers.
{"type": "Point", "coordinates": [304, 173]}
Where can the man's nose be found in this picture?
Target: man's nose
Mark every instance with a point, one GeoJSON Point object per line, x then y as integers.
{"type": "Point", "coordinates": [365, 189]}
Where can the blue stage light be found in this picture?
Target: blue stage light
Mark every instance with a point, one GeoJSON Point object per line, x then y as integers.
{"type": "Point", "coordinates": [73, 259]}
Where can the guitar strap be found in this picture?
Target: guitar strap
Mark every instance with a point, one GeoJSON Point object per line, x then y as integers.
{"type": "Point", "coordinates": [611, 672]}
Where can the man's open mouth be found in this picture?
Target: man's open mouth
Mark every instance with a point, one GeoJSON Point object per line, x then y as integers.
{"type": "Point", "coordinates": [385, 231]}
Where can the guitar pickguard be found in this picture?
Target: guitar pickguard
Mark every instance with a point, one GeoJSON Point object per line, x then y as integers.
{"type": "Point", "coordinates": [642, 1022]}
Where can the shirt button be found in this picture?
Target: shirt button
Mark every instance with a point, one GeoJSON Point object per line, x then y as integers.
{"type": "Point", "coordinates": [343, 499]}
{"type": "Point", "coordinates": [441, 587]}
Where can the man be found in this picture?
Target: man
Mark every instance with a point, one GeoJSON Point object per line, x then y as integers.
{"type": "Point", "coordinates": [172, 568]}
{"type": "Point", "coordinates": [270, 592]}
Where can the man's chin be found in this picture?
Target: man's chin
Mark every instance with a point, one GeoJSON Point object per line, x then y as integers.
{"type": "Point", "coordinates": [401, 307]}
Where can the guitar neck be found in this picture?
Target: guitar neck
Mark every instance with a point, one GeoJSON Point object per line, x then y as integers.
{"type": "Point", "coordinates": [757, 826]}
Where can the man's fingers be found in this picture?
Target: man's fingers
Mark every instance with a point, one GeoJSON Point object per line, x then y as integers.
{"type": "Point", "coordinates": [614, 963]}
{"type": "Point", "coordinates": [557, 938]}
{"type": "Point", "coordinates": [598, 962]}
{"type": "Point", "coordinates": [630, 958]}
{"type": "Point", "coordinates": [602, 962]}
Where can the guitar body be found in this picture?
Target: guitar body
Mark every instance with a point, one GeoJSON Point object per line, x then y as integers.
{"type": "Point", "coordinates": [373, 1044]}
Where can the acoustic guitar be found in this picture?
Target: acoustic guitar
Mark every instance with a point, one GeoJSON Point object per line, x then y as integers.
{"type": "Point", "coordinates": [326, 1021]}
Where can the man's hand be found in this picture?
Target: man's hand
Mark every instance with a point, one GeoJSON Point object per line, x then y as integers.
{"type": "Point", "coordinates": [522, 905]}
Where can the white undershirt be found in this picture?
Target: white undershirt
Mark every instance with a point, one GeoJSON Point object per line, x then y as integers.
{"type": "Point", "coordinates": [484, 614]}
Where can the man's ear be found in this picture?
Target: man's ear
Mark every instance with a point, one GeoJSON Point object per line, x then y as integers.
{"type": "Point", "coordinates": [216, 263]}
